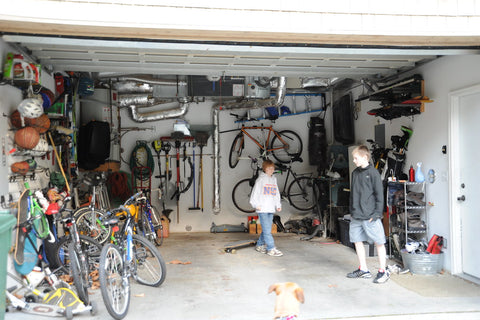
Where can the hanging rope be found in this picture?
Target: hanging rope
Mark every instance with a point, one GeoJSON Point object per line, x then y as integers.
{"type": "Point", "coordinates": [141, 156]}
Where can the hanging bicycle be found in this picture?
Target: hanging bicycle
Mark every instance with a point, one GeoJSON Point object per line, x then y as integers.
{"type": "Point", "coordinates": [282, 145]}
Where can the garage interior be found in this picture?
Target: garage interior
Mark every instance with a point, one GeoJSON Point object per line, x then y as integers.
{"type": "Point", "coordinates": [183, 87]}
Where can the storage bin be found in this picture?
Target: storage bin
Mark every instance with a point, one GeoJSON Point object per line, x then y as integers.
{"type": "Point", "coordinates": [423, 263]}
{"type": "Point", "coordinates": [7, 221]}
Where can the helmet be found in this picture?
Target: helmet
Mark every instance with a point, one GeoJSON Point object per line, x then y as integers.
{"type": "Point", "coordinates": [31, 108]}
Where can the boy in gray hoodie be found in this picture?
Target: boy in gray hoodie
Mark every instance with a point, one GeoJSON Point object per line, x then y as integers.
{"type": "Point", "coordinates": [265, 198]}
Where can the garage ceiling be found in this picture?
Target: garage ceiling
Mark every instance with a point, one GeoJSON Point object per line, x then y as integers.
{"type": "Point", "coordinates": [182, 58]}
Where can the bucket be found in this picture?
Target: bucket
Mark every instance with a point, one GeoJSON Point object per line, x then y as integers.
{"type": "Point", "coordinates": [423, 263]}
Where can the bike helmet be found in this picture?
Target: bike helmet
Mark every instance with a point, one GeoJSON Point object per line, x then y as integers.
{"type": "Point", "coordinates": [31, 108]}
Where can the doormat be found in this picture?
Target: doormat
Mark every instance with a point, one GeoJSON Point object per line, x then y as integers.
{"type": "Point", "coordinates": [441, 285]}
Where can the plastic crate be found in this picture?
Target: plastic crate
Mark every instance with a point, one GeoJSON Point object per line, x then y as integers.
{"type": "Point", "coordinates": [423, 263]}
{"type": "Point", "coordinates": [6, 223]}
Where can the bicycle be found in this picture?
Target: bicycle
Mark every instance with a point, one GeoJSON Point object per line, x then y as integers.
{"type": "Point", "coordinates": [132, 256]}
{"type": "Point", "coordinates": [89, 218]}
{"type": "Point", "coordinates": [149, 223]}
{"type": "Point", "coordinates": [299, 194]}
{"type": "Point", "coordinates": [77, 254]}
{"type": "Point", "coordinates": [281, 144]}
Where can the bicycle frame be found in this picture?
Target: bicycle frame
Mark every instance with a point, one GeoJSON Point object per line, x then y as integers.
{"type": "Point", "coordinates": [265, 147]}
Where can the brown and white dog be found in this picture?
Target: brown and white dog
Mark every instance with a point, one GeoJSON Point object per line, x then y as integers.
{"type": "Point", "coordinates": [287, 303]}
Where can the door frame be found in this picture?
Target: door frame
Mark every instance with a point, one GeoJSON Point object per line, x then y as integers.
{"type": "Point", "coordinates": [454, 179]}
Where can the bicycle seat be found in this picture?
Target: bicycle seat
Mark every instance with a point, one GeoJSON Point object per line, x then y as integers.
{"type": "Point", "coordinates": [281, 167]}
{"type": "Point", "coordinates": [95, 179]}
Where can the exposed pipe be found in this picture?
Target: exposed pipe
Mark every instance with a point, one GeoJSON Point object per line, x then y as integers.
{"type": "Point", "coordinates": [142, 78]}
{"type": "Point", "coordinates": [247, 104]}
{"type": "Point", "coordinates": [175, 112]}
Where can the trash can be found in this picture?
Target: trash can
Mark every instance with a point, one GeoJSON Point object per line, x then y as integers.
{"type": "Point", "coordinates": [6, 223]}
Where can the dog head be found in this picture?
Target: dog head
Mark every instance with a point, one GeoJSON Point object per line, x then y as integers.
{"type": "Point", "coordinates": [289, 297]}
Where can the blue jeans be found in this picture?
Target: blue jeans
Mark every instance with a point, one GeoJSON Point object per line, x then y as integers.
{"type": "Point", "coordinates": [266, 238]}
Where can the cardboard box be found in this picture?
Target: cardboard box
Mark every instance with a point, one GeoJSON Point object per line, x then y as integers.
{"type": "Point", "coordinates": [256, 228]}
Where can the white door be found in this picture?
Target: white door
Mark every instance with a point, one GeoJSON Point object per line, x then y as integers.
{"type": "Point", "coordinates": [465, 195]}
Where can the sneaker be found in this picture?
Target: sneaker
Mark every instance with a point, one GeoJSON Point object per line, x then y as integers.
{"type": "Point", "coordinates": [261, 249]}
{"type": "Point", "coordinates": [275, 252]}
{"type": "Point", "coordinates": [382, 277]}
{"type": "Point", "coordinates": [359, 274]}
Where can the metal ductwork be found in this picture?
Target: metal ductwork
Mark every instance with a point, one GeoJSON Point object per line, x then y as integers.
{"type": "Point", "coordinates": [245, 104]}
{"type": "Point", "coordinates": [175, 112]}
{"type": "Point", "coordinates": [119, 78]}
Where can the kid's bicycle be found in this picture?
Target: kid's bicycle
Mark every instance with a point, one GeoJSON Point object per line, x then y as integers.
{"type": "Point", "coordinates": [281, 144]}
{"type": "Point", "coordinates": [132, 256]}
{"type": "Point", "coordinates": [299, 192]}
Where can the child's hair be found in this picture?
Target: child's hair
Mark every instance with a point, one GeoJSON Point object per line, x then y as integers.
{"type": "Point", "coordinates": [362, 150]}
{"type": "Point", "coordinates": [267, 163]}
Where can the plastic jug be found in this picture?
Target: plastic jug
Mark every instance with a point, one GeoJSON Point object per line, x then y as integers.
{"type": "Point", "coordinates": [419, 177]}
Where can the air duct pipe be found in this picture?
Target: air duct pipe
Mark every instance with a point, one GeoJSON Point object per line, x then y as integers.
{"type": "Point", "coordinates": [246, 104]}
{"type": "Point", "coordinates": [174, 112]}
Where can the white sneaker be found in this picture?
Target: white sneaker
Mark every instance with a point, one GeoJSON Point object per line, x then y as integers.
{"type": "Point", "coordinates": [275, 252]}
{"type": "Point", "coordinates": [261, 249]}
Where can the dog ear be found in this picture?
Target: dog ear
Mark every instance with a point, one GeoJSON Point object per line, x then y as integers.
{"type": "Point", "coordinates": [299, 295]}
{"type": "Point", "coordinates": [272, 288]}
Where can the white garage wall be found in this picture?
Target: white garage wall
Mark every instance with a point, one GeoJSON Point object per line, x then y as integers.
{"type": "Point", "coordinates": [200, 114]}
{"type": "Point", "coordinates": [430, 133]}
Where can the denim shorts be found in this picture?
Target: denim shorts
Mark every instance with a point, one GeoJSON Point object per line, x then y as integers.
{"type": "Point", "coordinates": [364, 230]}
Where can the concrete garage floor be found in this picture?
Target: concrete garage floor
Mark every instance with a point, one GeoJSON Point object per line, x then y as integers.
{"type": "Point", "coordinates": [218, 285]}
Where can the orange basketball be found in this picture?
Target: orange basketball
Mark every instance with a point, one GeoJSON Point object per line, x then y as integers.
{"type": "Point", "coordinates": [20, 167]}
{"type": "Point", "coordinates": [27, 137]}
{"type": "Point", "coordinates": [15, 119]}
{"type": "Point", "coordinates": [41, 124]}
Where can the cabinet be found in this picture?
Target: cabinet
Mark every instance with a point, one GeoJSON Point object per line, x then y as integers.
{"type": "Point", "coordinates": [407, 215]}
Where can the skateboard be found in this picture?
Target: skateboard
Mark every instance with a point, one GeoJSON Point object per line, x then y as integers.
{"type": "Point", "coordinates": [233, 246]}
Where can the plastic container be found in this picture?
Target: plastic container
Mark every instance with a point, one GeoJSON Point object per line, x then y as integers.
{"type": "Point", "coordinates": [423, 263]}
{"type": "Point", "coordinates": [7, 221]}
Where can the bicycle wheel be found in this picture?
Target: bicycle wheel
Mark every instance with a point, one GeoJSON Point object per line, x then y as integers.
{"type": "Point", "coordinates": [236, 150]}
{"type": "Point", "coordinates": [150, 268]}
{"type": "Point", "coordinates": [300, 193]}
{"type": "Point", "coordinates": [146, 226]}
{"type": "Point", "coordinates": [289, 143]}
{"type": "Point", "coordinates": [90, 247]}
{"type": "Point", "coordinates": [114, 284]}
{"type": "Point", "coordinates": [79, 270]}
{"type": "Point", "coordinates": [241, 196]}
{"type": "Point", "coordinates": [157, 224]}
{"type": "Point", "coordinates": [89, 223]}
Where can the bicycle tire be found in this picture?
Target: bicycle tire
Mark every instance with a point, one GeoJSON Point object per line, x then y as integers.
{"type": "Point", "coordinates": [241, 195]}
{"type": "Point", "coordinates": [294, 146]}
{"type": "Point", "coordinates": [114, 285]}
{"type": "Point", "coordinates": [146, 227]}
{"type": "Point", "coordinates": [85, 226]}
{"type": "Point", "coordinates": [90, 247]}
{"type": "Point", "coordinates": [150, 268]}
{"type": "Point", "coordinates": [300, 193]}
{"type": "Point", "coordinates": [79, 270]}
{"type": "Point", "coordinates": [236, 150]}
{"type": "Point", "coordinates": [157, 225]}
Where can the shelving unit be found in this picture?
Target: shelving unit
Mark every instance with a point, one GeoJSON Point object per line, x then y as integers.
{"type": "Point", "coordinates": [407, 214]}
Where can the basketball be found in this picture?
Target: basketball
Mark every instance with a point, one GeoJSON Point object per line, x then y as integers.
{"type": "Point", "coordinates": [15, 119]}
{"type": "Point", "coordinates": [27, 137]}
{"type": "Point", "coordinates": [20, 167]}
{"type": "Point", "coordinates": [41, 124]}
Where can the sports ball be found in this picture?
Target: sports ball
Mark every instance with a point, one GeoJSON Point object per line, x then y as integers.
{"type": "Point", "coordinates": [41, 124]}
{"type": "Point", "coordinates": [16, 119]}
{"type": "Point", "coordinates": [21, 167]}
{"type": "Point", "coordinates": [27, 137]}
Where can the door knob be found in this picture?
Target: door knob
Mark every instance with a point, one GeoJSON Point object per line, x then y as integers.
{"type": "Point", "coordinates": [461, 198]}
